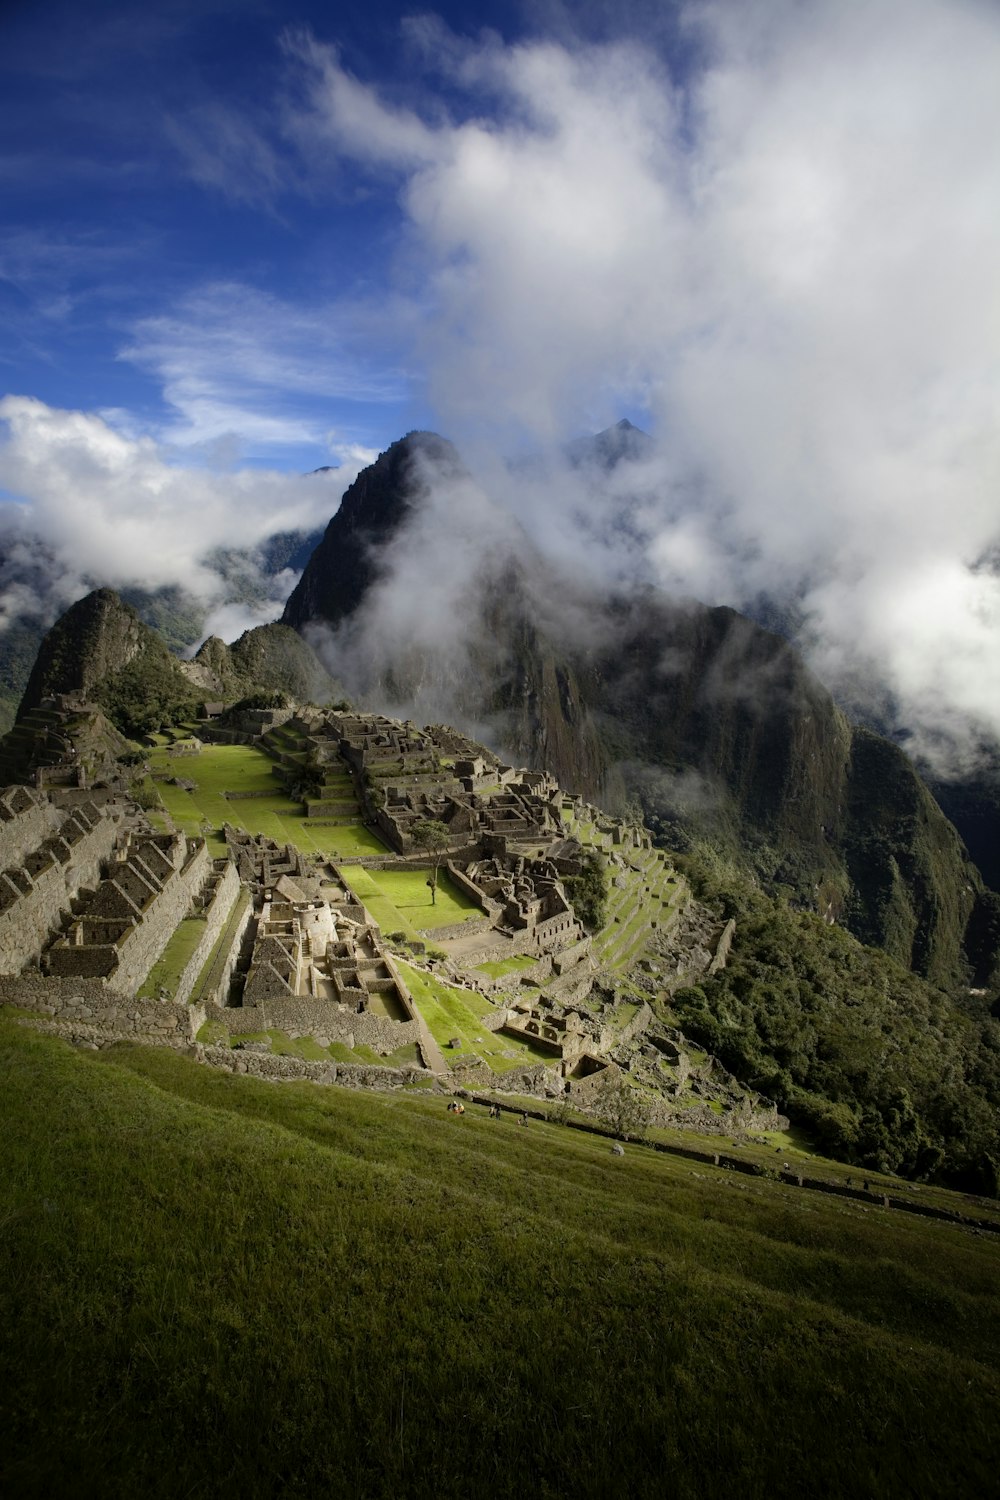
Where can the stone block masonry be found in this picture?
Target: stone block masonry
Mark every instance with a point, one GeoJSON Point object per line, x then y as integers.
{"type": "Point", "coordinates": [36, 895]}
{"type": "Point", "coordinates": [169, 871]}
{"type": "Point", "coordinates": [217, 911]}
{"type": "Point", "coordinates": [27, 818]}
{"type": "Point", "coordinates": [90, 1005]}
{"type": "Point", "coordinates": [304, 1016]}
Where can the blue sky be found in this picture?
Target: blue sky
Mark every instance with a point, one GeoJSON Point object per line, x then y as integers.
{"type": "Point", "coordinates": [180, 250]}
{"type": "Point", "coordinates": [239, 241]}
{"type": "Point", "coordinates": [142, 216]}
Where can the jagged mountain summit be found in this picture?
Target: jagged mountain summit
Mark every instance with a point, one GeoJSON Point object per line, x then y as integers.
{"type": "Point", "coordinates": [101, 651]}
{"type": "Point", "coordinates": [606, 449]}
{"type": "Point", "coordinates": [426, 599]}
{"type": "Point", "coordinates": [33, 584]}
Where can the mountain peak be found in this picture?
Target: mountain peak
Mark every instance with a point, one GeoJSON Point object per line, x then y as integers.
{"type": "Point", "coordinates": [607, 448]}
{"type": "Point", "coordinates": [344, 564]}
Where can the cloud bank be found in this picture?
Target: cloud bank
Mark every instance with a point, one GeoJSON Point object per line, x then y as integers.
{"type": "Point", "coordinates": [785, 256]}
{"type": "Point", "coordinates": [112, 509]}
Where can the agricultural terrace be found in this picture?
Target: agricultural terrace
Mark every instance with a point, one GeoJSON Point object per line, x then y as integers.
{"type": "Point", "coordinates": [451, 1012]}
{"type": "Point", "coordinates": [217, 770]}
{"type": "Point", "coordinates": [647, 893]}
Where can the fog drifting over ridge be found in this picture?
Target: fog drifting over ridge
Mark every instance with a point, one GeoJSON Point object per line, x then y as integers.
{"type": "Point", "coordinates": [97, 505]}
{"type": "Point", "coordinates": [777, 255]}
{"type": "Point", "coordinates": [788, 259]}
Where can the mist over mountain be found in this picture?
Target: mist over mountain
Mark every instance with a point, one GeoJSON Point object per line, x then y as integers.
{"type": "Point", "coordinates": [248, 586]}
{"type": "Point", "coordinates": [428, 599]}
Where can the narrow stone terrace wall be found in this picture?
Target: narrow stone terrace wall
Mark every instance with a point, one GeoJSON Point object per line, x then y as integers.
{"type": "Point", "coordinates": [92, 1004]}
{"type": "Point", "coordinates": [216, 915]}
{"type": "Point", "coordinates": [308, 1017]}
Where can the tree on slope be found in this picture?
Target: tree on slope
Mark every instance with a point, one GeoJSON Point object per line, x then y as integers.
{"type": "Point", "coordinates": [431, 835]}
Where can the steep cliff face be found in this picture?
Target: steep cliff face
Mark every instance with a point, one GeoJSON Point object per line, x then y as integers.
{"type": "Point", "coordinates": [914, 889]}
{"type": "Point", "coordinates": [711, 721]}
{"type": "Point", "coordinates": [345, 564]}
{"type": "Point", "coordinates": [469, 642]}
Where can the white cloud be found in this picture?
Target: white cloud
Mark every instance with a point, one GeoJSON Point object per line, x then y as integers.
{"type": "Point", "coordinates": [223, 149]}
{"type": "Point", "coordinates": [788, 258]}
{"type": "Point", "coordinates": [111, 508]}
{"type": "Point", "coordinates": [238, 365]}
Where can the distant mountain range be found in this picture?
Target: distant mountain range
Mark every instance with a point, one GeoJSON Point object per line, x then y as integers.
{"type": "Point", "coordinates": [31, 597]}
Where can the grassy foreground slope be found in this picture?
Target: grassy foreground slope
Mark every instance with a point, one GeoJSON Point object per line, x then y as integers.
{"type": "Point", "coordinates": [213, 1286]}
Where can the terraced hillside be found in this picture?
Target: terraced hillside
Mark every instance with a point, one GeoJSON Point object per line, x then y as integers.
{"type": "Point", "coordinates": [237, 784]}
{"type": "Point", "coordinates": [646, 894]}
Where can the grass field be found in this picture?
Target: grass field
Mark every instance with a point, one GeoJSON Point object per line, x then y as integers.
{"type": "Point", "coordinates": [409, 893]}
{"type": "Point", "coordinates": [399, 900]}
{"type": "Point", "coordinates": [452, 1012]}
{"type": "Point", "coordinates": [218, 769]}
{"type": "Point", "coordinates": [507, 965]}
{"type": "Point", "coordinates": [211, 1286]}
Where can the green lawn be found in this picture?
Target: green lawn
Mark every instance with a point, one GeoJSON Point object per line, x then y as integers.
{"type": "Point", "coordinates": [409, 893]}
{"type": "Point", "coordinates": [453, 1012]}
{"type": "Point", "coordinates": [233, 768]}
{"type": "Point", "coordinates": [507, 965]}
{"type": "Point", "coordinates": [213, 1287]}
{"type": "Point", "coordinates": [399, 900]}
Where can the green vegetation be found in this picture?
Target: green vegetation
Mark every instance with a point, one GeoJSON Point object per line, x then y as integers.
{"type": "Point", "coordinates": [151, 691]}
{"type": "Point", "coordinates": [213, 1287]}
{"type": "Point", "coordinates": [507, 965]}
{"type": "Point", "coordinates": [450, 1012]}
{"type": "Point", "coordinates": [588, 891]}
{"type": "Point", "coordinates": [217, 769]}
{"type": "Point", "coordinates": [401, 899]}
{"type": "Point", "coordinates": [881, 1067]}
{"type": "Point", "coordinates": [623, 1108]}
{"type": "Point", "coordinates": [166, 972]}
{"type": "Point", "coordinates": [431, 835]}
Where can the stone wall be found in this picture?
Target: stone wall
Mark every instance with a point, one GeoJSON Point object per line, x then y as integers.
{"type": "Point", "coordinates": [275, 1069]}
{"type": "Point", "coordinates": [92, 1004]}
{"type": "Point", "coordinates": [217, 981]}
{"type": "Point", "coordinates": [304, 1016]}
{"type": "Point", "coordinates": [542, 940]}
{"type": "Point", "coordinates": [217, 914]}
{"type": "Point", "coordinates": [26, 820]}
{"type": "Point", "coordinates": [150, 936]}
{"type": "Point", "coordinates": [34, 904]}
{"type": "Point", "coordinates": [468, 928]}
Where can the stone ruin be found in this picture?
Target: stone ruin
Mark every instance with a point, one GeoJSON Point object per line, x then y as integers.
{"type": "Point", "coordinates": [317, 965]}
{"type": "Point", "coordinates": [307, 959]}
{"type": "Point", "coordinates": [121, 929]}
{"type": "Point", "coordinates": [47, 856]}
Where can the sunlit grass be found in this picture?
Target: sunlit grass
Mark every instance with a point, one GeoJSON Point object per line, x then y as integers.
{"type": "Point", "coordinates": [213, 1286]}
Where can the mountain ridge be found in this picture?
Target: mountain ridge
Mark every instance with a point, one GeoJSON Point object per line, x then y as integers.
{"type": "Point", "coordinates": [714, 723]}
